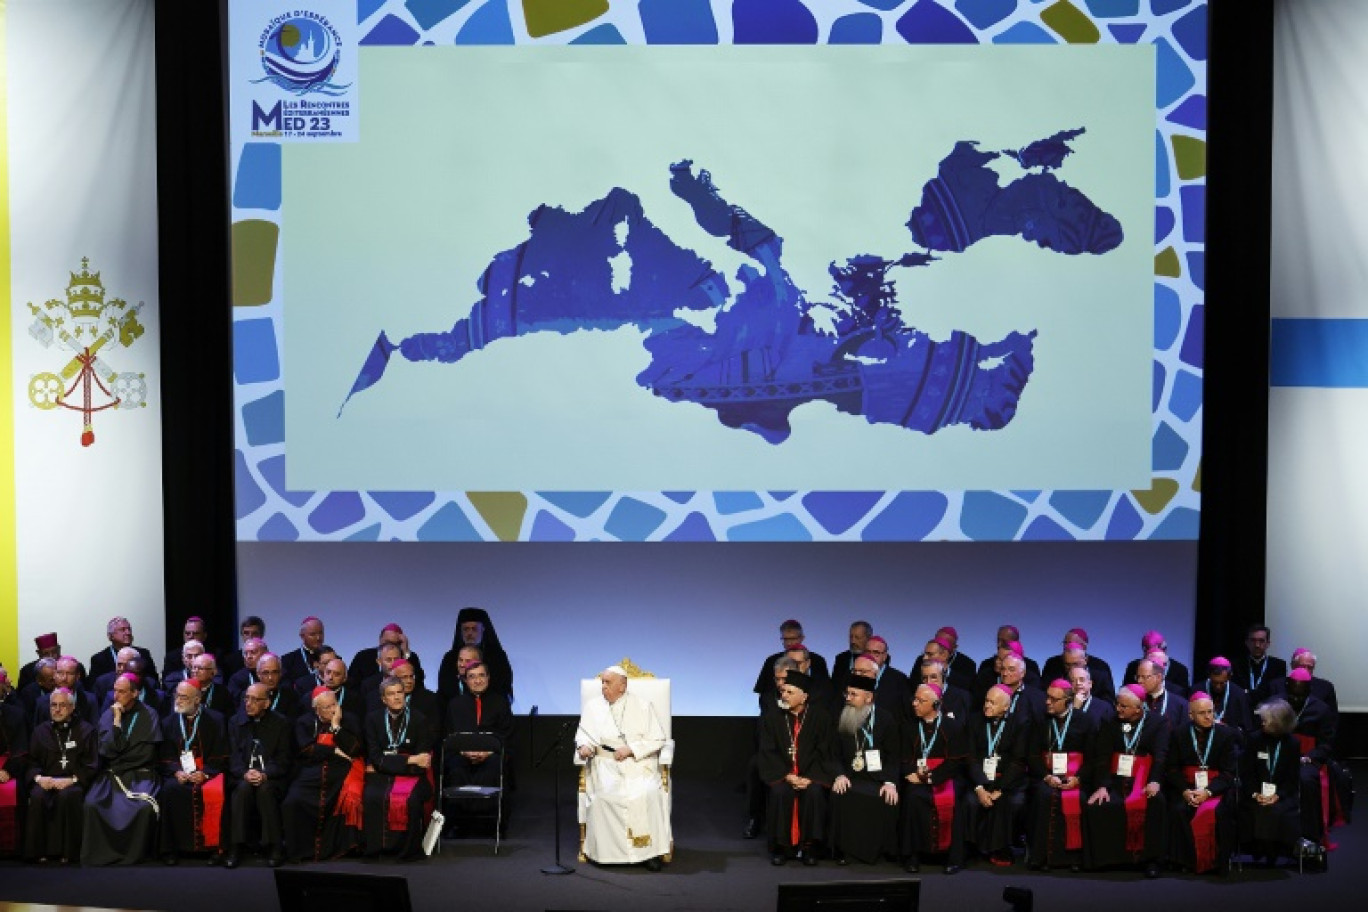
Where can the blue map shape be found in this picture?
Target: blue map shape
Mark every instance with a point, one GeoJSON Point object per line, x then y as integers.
{"type": "Point", "coordinates": [767, 355]}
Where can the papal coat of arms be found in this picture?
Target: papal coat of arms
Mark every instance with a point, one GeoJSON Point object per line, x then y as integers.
{"type": "Point", "coordinates": [90, 326]}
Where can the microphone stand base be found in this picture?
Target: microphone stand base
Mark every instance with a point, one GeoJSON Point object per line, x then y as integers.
{"type": "Point", "coordinates": [558, 869]}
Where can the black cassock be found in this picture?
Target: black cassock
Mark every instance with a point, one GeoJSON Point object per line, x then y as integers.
{"type": "Point", "coordinates": [993, 829]}
{"type": "Point", "coordinates": [194, 815]}
{"type": "Point", "coordinates": [928, 810]}
{"type": "Point", "coordinates": [322, 810]}
{"type": "Point", "coordinates": [1202, 838]}
{"type": "Point", "coordinates": [1053, 816]}
{"type": "Point", "coordinates": [14, 742]}
{"type": "Point", "coordinates": [53, 825]}
{"type": "Point", "coordinates": [120, 821]}
{"type": "Point", "coordinates": [1129, 828]}
{"type": "Point", "coordinates": [265, 744]}
{"type": "Point", "coordinates": [797, 817]}
{"type": "Point", "coordinates": [863, 825]}
{"type": "Point", "coordinates": [1275, 828]}
{"type": "Point", "coordinates": [496, 718]}
{"type": "Point", "coordinates": [398, 794]}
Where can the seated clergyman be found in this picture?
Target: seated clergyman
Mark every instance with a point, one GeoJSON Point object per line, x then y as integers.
{"type": "Point", "coordinates": [62, 762]}
{"type": "Point", "coordinates": [121, 804]}
{"type": "Point", "coordinates": [627, 815]}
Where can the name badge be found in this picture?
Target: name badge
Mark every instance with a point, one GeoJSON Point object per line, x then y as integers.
{"type": "Point", "coordinates": [990, 767]}
{"type": "Point", "coordinates": [390, 753]}
{"type": "Point", "coordinates": [873, 762]}
{"type": "Point", "coordinates": [1125, 765]}
{"type": "Point", "coordinates": [1262, 755]}
{"type": "Point", "coordinates": [1200, 779]}
{"type": "Point", "coordinates": [70, 744]}
{"type": "Point", "coordinates": [187, 761]}
{"type": "Point", "coordinates": [1269, 789]}
{"type": "Point", "coordinates": [1059, 764]}
{"type": "Point", "coordinates": [921, 767]}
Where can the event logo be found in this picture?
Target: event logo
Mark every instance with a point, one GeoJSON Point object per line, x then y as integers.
{"type": "Point", "coordinates": [300, 53]}
{"type": "Point", "coordinates": [88, 325]}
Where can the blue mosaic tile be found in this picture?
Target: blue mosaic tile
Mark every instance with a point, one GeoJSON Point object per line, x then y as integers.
{"type": "Point", "coordinates": [278, 528]}
{"type": "Point", "coordinates": [1082, 508]}
{"type": "Point", "coordinates": [1042, 528]}
{"type": "Point", "coordinates": [402, 505]}
{"type": "Point", "coordinates": [984, 13]}
{"type": "Point", "coordinates": [884, 5]}
{"type": "Point", "coordinates": [1196, 267]}
{"type": "Point", "coordinates": [987, 516]}
{"type": "Point", "coordinates": [249, 495]}
{"type": "Point", "coordinates": [391, 31]}
{"type": "Point", "coordinates": [1028, 496]}
{"type": "Point", "coordinates": [1161, 7]}
{"type": "Point", "coordinates": [448, 524]}
{"type": "Point", "coordinates": [927, 22]}
{"type": "Point", "coordinates": [1191, 352]}
{"type": "Point", "coordinates": [1174, 78]}
{"type": "Point", "coordinates": [369, 534]}
{"type": "Point", "coordinates": [678, 22]}
{"type": "Point", "coordinates": [1168, 316]}
{"type": "Point", "coordinates": [264, 419]}
{"type": "Point", "coordinates": [680, 497]}
{"type": "Point", "coordinates": [694, 528]}
{"type": "Point", "coordinates": [366, 8]}
{"type": "Point", "coordinates": [428, 13]}
{"type": "Point", "coordinates": [1191, 113]}
{"type": "Point", "coordinates": [1163, 222]}
{"type": "Point", "coordinates": [857, 28]}
{"type": "Point", "coordinates": [337, 511]}
{"type": "Point", "coordinates": [632, 520]}
{"type": "Point", "coordinates": [837, 511]}
{"type": "Point", "coordinates": [1025, 33]}
{"type": "Point", "coordinates": [577, 503]}
{"type": "Point", "coordinates": [1186, 397]}
{"type": "Point", "coordinates": [1157, 391]}
{"type": "Point", "coordinates": [255, 359]}
{"type": "Point", "coordinates": [1125, 522]}
{"type": "Point", "coordinates": [1170, 449]}
{"type": "Point", "coordinates": [1190, 32]}
{"type": "Point", "coordinates": [772, 22]}
{"type": "Point", "coordinates": [729, 502]}
{"type": "Point", "coordinates": [784, 527]}
{"type": "Point", "coordinates": [911, 516]}
{"type": "Point", "coordinates": [487, 25]}
{"type": "Point", "coordinates": [781, 496]}
{"type": "Point", "coordinates": [272, 472]}
{"type": "Point", "coordinates": [1161, 166]}
{"type": "Point", "coordinates": [1182, 524]}
{"type": "Point", "coordinates": [1113, 9]}
{"type": "Point", "coordinates": [601, 34]}
{"type": "Point", "coordinates": [1127, 32]}
{"type": "Point", "coordinates": [1194, 213]}
{"type": "Point", "coordinates": [258, 177]}
{"type": "Point", "coordinates": [546, 527]}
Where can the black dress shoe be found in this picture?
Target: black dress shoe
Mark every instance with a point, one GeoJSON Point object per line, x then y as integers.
{"type": "Point", "coordinates": [910, 866]}
{"type": "Point", "coordinates": [953, 868]}
{"type": "Point", "coordinates": [277, 859]}
{"type": "Point", "coordinates": [653, 864]}
{"type": "Point", "coordinates": [841, 859]}
{"type": "Point", "coordinates": [752, 829]}
{"type": "Point", "coordinates": [214, 860]}
{"type": "Point", "coordinates": [1151, 870]}
{"type": "Point", "coordinates": [778, 858]}
{"type": "Point", "coordinates": [231, 860]}
{"type": "Point", "coordinates": [809, 859]}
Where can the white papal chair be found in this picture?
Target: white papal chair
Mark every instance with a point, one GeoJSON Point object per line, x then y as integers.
{"type": "Point", "coordinates": [655, 691]}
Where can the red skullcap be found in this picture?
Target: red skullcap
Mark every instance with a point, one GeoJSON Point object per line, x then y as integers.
{"type": "Point", "coordinates": [319, 690]}
{"type": "Point", "coordinates": [46, 641]}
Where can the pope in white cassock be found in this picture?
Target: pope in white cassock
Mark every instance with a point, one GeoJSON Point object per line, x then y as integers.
{"type": "Point", "coordinates": [627, 819]}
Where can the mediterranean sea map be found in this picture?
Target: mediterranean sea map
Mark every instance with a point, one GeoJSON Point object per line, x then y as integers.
{"type": "Point", "coordinates": [772, 347]}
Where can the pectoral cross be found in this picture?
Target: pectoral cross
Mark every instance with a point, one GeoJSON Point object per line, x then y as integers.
{"type": "Point", "coordinates": [793, 751]}
{"type": "Point", "coordinates": [62, 762]}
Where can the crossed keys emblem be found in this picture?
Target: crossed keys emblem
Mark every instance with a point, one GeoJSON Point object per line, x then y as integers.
{"type": "Point", "coordinates": [89, 326]}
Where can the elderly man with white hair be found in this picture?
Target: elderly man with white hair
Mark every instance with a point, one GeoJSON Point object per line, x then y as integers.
{"type": "Point", "coordinates": [627, 819]}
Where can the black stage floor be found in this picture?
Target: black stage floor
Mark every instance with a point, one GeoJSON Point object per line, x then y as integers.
{"type": "Point", "coordinates": [713, 869]}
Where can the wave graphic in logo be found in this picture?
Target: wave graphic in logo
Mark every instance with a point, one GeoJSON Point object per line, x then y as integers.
{"type": "Point", "coordinates": [301, 56]}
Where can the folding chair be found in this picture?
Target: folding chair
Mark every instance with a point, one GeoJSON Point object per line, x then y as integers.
{"type": "Point", "coordinates": [458, 742]}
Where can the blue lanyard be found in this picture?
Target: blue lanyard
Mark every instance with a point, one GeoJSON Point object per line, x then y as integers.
{"type": "Point", "coordinates": [1263, 669]}
{"type": "Point", "coordinates": [194, 729]}
{"type": "Point", "coordinates": [403, 732]}
{"type": "Point", "coordinates": [1086, 704]}
{"type": "Point", "coordinates": [925, 745]}
{"type": "Point", "coordinates": [132, 721]}
{"type": "Point", "coordinates": [1129, 743]}
{"type": "Point", "coordinates": [868, 728]}
{"type": "Point", "coordinates": [994, 739]}
{"type": "Point", "coordinates": [1059, 736]}
{"type": "Point", "coordinates": [1225, 700]}
{"type": "Point", "coordinates": [1202, 755]}
{"type": "Point", "coordinates": [276, 701]}
{"type": "Point", "coordinates": [1273, 762]}
{"type": "Point", "coordinates": [1015, 695]}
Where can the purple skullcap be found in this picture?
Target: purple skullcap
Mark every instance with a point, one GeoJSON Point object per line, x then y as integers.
{"type": "Point", "coordinates": [876, 639]}
{"type": "Point", "coordinates": [950, 630]}
{"type": "Point", "coordinates": [935, 689]}
{"type": "Point", "coordinates": [1014, 647]}
{"type": "Point", "coordinates": [1199, 695]}
{"type": "Point", "coordinates": [1080, 633]}
{"type": "Point", "coordinates": [1299, 674]}
{"type": "Point", "coordinates": [1220, 662]}
{"type": "Point", "coordinates": [943, 645]}
{"type": "Point", "coordinates": [131, 678]}
{"type": "Point", "coordinates": [1300, 650]}
{"type": "Point", "coordinates": [1135, 690]}
{"type": "Point", "coordinates": [1151, 639]}
{"type": "Point", "coordinates": [392, 628]}
{"type": "Point", "coordinates": [1062, 684]}
{"type": "Point", "coordinates": [1004, 688]}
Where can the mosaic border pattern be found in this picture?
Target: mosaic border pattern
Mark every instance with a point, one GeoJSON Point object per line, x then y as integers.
{"type": "Point", "coordinates": [1168, 509]}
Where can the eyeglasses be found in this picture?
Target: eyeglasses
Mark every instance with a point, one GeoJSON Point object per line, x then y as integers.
{"type": "Point", "coordinates": [251, 699]}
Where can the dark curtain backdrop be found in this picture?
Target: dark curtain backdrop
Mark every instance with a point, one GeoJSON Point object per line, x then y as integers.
{"type": "Point", "coordinates": [197, 321]}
